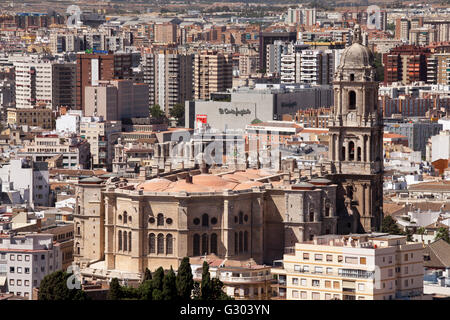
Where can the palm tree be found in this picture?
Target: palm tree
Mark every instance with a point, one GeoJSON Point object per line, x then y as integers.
{"type": "Point", "coordinates": [421, 231]}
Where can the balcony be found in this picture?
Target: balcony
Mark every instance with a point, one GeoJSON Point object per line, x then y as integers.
{"type": "Point", "coordinates": [246, 279]}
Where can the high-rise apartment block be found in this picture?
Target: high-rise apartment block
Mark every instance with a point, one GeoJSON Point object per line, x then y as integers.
{"type": "Point", "coordinates": [169, 75]}
{"type": "Point", "coordinates": [212, 73]}
{"type": "Point", "coordinates": [94, 67]}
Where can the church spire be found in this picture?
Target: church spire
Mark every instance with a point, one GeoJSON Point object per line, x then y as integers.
{"type": "Point", "coordinates": [357, 38]}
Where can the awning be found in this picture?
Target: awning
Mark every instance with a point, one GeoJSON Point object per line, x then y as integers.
{"type": "Point", "coordinates": [2, 281]}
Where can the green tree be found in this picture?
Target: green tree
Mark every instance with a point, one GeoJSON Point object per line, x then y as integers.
{"type": "Point", "coordinates": [146, 290]}
{"type": "Point", "coordinates": [157, 295]}
{"type": "Point", "coordinates": [379, 69]}
{"type": "Point", "coordinates": [54, 287]}
{"type": "Point", "coordinates": [217, 292]}
{"type": "Point", "coordinates": [390, 226]}
{"type": "Point", "coordinates": [115, 290]}
{"type": "Point", "coordinates": [206, 282]}
{"type": "Point", "coordinates": [177, 112]}
{"type": "Point", "coordinates": [156, 112]}
{"type": "Point", "coordinates": [442, 233]}
{"type": "Point", "coordinates": [158, 277]}
{"type": "Point", "coordinates": [421, 231]}
{"type": "Point", "coordinates": [185, 280]}
{"type": "Point", "coordinates": [170, 286]}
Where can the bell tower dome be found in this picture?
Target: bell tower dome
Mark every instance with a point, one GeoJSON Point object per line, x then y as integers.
{"type": "Point", "coordinates": [356, 134]}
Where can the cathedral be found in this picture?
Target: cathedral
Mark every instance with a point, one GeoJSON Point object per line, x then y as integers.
{"type": "Point", "coordinates": [356, 141]}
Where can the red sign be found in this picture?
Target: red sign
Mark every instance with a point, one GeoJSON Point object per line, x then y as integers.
{"type": "Point", "coordinates": [201, 118]}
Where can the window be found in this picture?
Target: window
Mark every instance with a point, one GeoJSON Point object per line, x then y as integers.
{"type": "Point", "coordinates": [205, 220]}
{"type": "Point", "coordinates": [196, 245]}
{"type": "Point", "coordinates": [327, 284]}
{"type": "Point", "coordinates": [316, 283]}
{"type": "Point", "coordinates": [169, 244]}
{"type": "Point", "coordinates": [214, 243]}
{"type": "Point", "coordinates": [318, 269]}
{"type": "Point", "coordinates": [19, 282]}
{"type": "Point", "coordinates": [245, 241]}
{"type": "Point", "coordinates": [241, 217]}
{"type": "Point", "coordinates": [241, 247]}
{"type": "Point", "coordinates": [19, 269]}
{"type": "Point", "coordinates": [35, 283]}
{"type": "Point", "coordinates": [351, 260]}
{"type": "Point", "coordinates": [406, 257]}
{"type": "Point", "coordinates": [406, 270]}
{"type": "Point", "coordinates": [11, 282]}
{"type": "Point", "coordinates": [305, 256]}
{"type": "Point", "coordinates": [297, 267]}
{"type": "Point", "coordinates": [329, 270]}
{"type": "Point", "coordinates": [42, 269]}
{"type": "Point", "coordinates": [125, 241]}
{"type": "Point", "coordinates": [318, 257]}
{"type": "Point", "coordinates": [27, 270]}
{"type": "Point", "coordinates": [362, 260]}
{"type": "Point", "coordinates": [129, 241]}
{"type": "Point", "coordinates": [295, 281]}
{"type": "Point", "coordinates": [352, 77]}
{"type": "Point", "coordinates": [351, 150]}
{"type": "Point", "coordinates": [11, 269]}
{"type": "Point", "coordinates": [390, 259]}
{"type": "Point", "coordinates": [303, 282]}
{"type": "Point", "coordinates": [160, 219]}
{"type": "Point", "coordinates": [303, 295]}
{"type": "Point", "coordinates": [339, 258]}
{"type": "Point", "coordinates": [327, 296]}
{"type": "Point", "coordinates": [329, 257]}
{"type": "Point", "coordinates": [42, 257]}
{"type": "Point", "coordinates": [151, 243]}
{"type": "Point", "coordinates": [294, 294]}
{"type": "Point", "coordinates": [406, 282]}
{"type": "Point", "coordinates": [125, 217]}
{"type": "Point", "coordinates": [12, 257]}
{"type": "Point", "coordinates": [361, 287]}
{"type": "Point", "coordinates": [119, 236]}
{"type": "Point", "coordinates": [205, 243]}
{"type": "Point", "coordinates": [305, 268]}
{"type": "Point", "coordinates": [316, 296]}
{"type": "Point", "coordinates": [19, 257]}
{"type": "Point", "coordinates": [160, 243]}
{"type": "Point", "coordinates": [336, 285]}
{"type": "Point", "coordinates": [352, 100]}
{"type": "Point", "coordinates": [390, 273]}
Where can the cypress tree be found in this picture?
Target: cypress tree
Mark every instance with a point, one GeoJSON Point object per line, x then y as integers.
{"type": "Point", "coordinates": [169, 286]}
{"type": "Point", "coordinates": [206, 282]}
{"type": "Point", "coordinates": [158, 277]}
{"type": "Point", "coordinates": [146, 290]}
{"type": "Point", "coordinates": [185, 280]}
{"type": "Point", "coordinates": [115, 290]}
{"type": "Point", "coordinates": [157, 295]}
{"type": "Point", "coordinates": [147, 275]}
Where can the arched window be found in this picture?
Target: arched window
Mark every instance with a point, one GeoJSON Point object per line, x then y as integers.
{"type": "Point", "coordinates": [236, 243]}
{"type": "Point", "coordinates": [169, 244]}
{"type": "Point", "coordinates": [78, 229]}
{"type": "Point", "coordinates": [205, 220]}
{"type": "Point", "coordinates": [129, 241]}
{"type": "Point", "coordinates": [352, 77]}
{"type": "Point", "coordinates": [352, 100]}
{"type": "Point", "coordinates": [241, 241]}
{"type": "Point", "coordinates": [343, 154]}
{"type": "Point", "coordinates": [160, 219]}
{"type": "Point", "coordinates": [327, 210]}
{"type": "Point", "coordinates": [241, 217]}
{"type": "Point", "coordinates": [160, 243]}
{"type": "Point", "coordinates": [205, 244]}
{"type": "Point", "coordinates": [311, 215]}
{"type": "Point", "coordinates": [351, 151]}
{"type": "Point", "coordinates": [125, 240]}
{"type": "Point", "coordinates": [151, 243]}
{"type": "Point", "coordinates": [245, 241]}
{"type": "Point", "coordinates": [125, 216]}
{"type": "Point", "coordinates": [358, 154]}
{"type": "Point", "coordinates": [78, 247]}
{"type": "Point", "coordinates": [214, 243]}
{"type": "Point", "coordinates": [120, 240]}
{"type": "Point", "coordinates": [196, 245]}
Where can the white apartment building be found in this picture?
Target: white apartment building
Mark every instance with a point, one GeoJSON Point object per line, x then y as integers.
{"type": "Point", "coordinates": [69, 122]}
{"type": "Point", "coordinates": [44, 82]}
{"type": "Point", "coordinates": [29, 178]}
{"type": "Point", "coordinates": [440, 146]}
{"type": "Point", "coordinates": [25, 260]}
{"type": "Point", "coordinates": [352, 267]}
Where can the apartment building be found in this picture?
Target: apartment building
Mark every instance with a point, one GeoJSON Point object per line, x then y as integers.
{"type": "Point", "coordinates": [30, 178]}
{"type": "Point", "coordinates": [352, 267]}
{"type": "Point", "coordinates": [94, 67]}
{"type": "Point", "coordinates": [75, 151]}
{"type": "Point", "coordinates": [116, 100]}
{"type": "Point", "coordinates": [166, 32]}
{"type": "Point", "coordinates": [102, 136]}
{"type": "Point", "coordinates": [212, 73]}
{"type": "Point", "coordinates": [169, 75]}
{"type": "Point", "coordinates": [34, 117]}
{"type": "Point", "coordinates": [43, 81]}
{"type": "Point", "coordinates": [25, 260]}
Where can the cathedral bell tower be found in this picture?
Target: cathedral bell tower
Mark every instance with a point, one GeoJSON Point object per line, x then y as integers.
{"type": "Point", "coordinates": [356, 141]}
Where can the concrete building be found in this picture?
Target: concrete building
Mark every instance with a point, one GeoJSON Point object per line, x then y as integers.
{"type": "Point", "coordinates": [25, 260]}
{"type": "Point", "coordinates": [94, 67]}
{"type": "Point", "coordinates": [169, 75]}
{"type": "Point", "coordinates": [265, 102]}
{"type": "Point", "coordinates": [116, 100]}
{"type": "Point", "coordinates": [165, 32]}
{"type": "Point", "coordinates": [440, 146]}
{"type": "Point", "coordinates": [29, 178]}
{"type": "Point", "coordinates": [43, 81]}
{"type": "Point", "coordinates": [34, 117]}
{"type": "Point", "coordinates": [352, 267]}
{"type": "Point", "coordinates": [69, 122]}
{"type": "Point", "coordinates": [75, 151]}
{"type": "Point", "coordinates": [212, 73]}
{"type": "Point", "coordinates": [101, 135]}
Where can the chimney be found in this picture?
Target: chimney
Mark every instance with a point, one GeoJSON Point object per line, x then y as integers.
{"type": "Point", "coordinates": [188, 178]}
